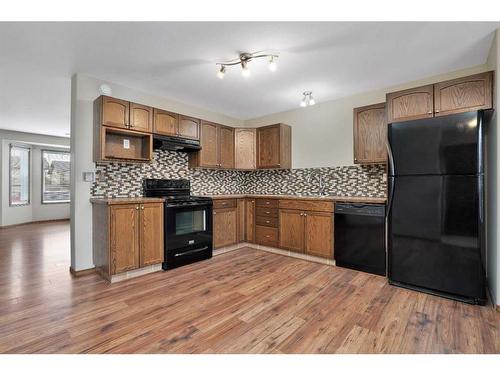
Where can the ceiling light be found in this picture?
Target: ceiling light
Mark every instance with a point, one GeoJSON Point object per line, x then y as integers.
{"type": "Point", "coordinates": [307, 99]}
{"type": "Point", "coordinates": [105, 89]}
{"type": "Point", "coordinates": [244, 59]}
{"type": "Point", "coordinates": [273, 65]}
{"type": "Point", "coordinates": [221, 72]}
{"type": "Point", "coordinates": [245, 72]}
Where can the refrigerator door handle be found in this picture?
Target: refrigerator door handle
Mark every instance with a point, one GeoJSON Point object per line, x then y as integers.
{"type": "Point", "coordinates": [391, 158]}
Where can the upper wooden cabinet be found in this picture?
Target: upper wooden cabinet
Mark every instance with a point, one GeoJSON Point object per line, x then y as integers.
{"type": "Point", "coordinates": [141, 117]}
{"type": "Point", "coordinates": [189, 127]}
{"type": "Point", "coordinates": [411, 104]}
{"type": "Point", "coordinates": [245, 148]}
{"type": "Point", "coordinates": [370, 134]}
{"type": "Point", "coordinates": [464, 94]}
{"type": "Point", "coordinates": [458, 95]}
{"type": "Point", "coordinates": [217, 147]}
{"type": "Point", "coordinates": [165, 123]}
{"type": "Point", "coordinates": [274, 147]}
{"type": "Point", "coordinates": [113, 112]}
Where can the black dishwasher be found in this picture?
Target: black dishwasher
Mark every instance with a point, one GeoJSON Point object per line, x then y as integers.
{"type": "Point", "coordinates": [360, 237]}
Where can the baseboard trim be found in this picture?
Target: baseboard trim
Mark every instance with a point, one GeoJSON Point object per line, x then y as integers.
{"type": "Point", "coordinates": [274, 250]}
{"type": "Point", "coordinates": [80, 273]}
{"type": "Point", "coordinates": [33, 222]}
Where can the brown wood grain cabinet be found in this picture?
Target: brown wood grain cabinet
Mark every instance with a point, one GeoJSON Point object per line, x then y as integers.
{"type": "Point", "coordinates": [412, 104]}
{"type": "Point", "coordinates": [113, 112]}
{"type": "Point", "coordinates": [464, 94]}
{"type": "Point", "coordinates": [189, 127]}
{"type": "Point", "coordinates": [226, 147]}
{"type": "Point", "coordinates": [217, 147]}
{"type": "Point", "coordinates": [127, 236]}
{"type": "Point", "coordinates": [319, 234]}
{"type": "Point", "coordinates": [165, 123]}
{"type": "Point", "coordinates": [225, 227]}
{"type": "Point", "coordinates": [241, 217]}
{"type": "Point", "coordinates": [250, 220]}
{"type": "Point", "coordinates": [141, 118]}
{"type": "Point", "coordinates": [245, 148]}
{"type": "Point", "coordinates": [291, 230]}
{"type": "Point", "coordinates": [370, 134]}
{"type": "Point", "coordinates": [274, 147]}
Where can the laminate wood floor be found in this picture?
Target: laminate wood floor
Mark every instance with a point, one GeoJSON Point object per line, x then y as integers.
{"type": "Point", "coordinates": [245, 301]}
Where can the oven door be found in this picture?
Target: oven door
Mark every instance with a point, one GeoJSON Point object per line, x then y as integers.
{"type": "Point", "coordinates": [187, 226]}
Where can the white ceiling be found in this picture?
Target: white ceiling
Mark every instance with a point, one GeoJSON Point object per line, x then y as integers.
{"type": "Point", "coordinates": [177, 61]}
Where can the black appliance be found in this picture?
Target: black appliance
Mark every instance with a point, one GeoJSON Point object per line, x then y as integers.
{"type": "Point", "coordinates": [164, 142]}
{"type": "Point", "coordinates": [188, 222]}
{"type": "Point", "coordinates": [360, 237]}
{"type": "Point", "coordinates": [435, 221]}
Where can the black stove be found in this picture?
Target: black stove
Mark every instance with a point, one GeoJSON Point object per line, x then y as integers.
{"type": "Point", "coordinates": [188, 221]}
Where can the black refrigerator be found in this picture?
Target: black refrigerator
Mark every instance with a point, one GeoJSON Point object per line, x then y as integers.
{"type": "Point", "coordinates": [435, 219]}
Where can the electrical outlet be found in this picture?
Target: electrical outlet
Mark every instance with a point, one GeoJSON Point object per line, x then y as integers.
{"type": "Point", "coordinates": [384, 177]}
{"type": "Point", "coordinates": [126, 144]}
{"type": "Point", "coordinates": [88, 176]}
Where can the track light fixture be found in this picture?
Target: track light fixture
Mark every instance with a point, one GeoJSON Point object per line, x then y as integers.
{"type": "Point", "coordinates": [307, 99]}
{"type": "Point", "coordinates": [244, 59]}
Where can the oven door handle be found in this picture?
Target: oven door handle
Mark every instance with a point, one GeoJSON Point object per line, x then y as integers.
{"type": "Point", "coordinates": [191, 251]}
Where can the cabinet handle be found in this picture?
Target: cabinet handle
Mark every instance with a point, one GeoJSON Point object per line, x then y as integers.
{"type": "Point", "coordinates": [224, 203]}
{"type": "Point", "coordinates": [267, 212]}
{"type": "Point", "coordinates": [142, 207]}
{"type": "Point", "coordinates": [437, 110]}
{"type": "Point", "coordinates": [136, 207]}
{"type": "Point", "coordinates": [215, 213]}
{"type": "Point", "coordinates": [305, 214]}
{"type": "Point", "coordinates": [267, 221]}
{"type": "Point", "coordinates": [429, 113]}
{"type": "Point", "coordinates": [267, 236]}
{"type": "Point", "coordinates": [267, 202]}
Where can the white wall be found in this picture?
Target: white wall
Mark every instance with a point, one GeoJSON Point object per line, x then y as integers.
{"type": "Point", "coordinates": [35, 211]}
{"type": "Point", "coordinates": [493, 179]}
{"type": "Point", "coordinates": [84, 90]}
{"type": "Point", "coordinates": [322, 134]}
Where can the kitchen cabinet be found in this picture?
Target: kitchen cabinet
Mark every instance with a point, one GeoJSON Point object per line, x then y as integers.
{"type": "Point", "coordinates": [250, 220]}
{"type": "Point", "coordinates": [241, 215]}
{"type": "Point", "coordinates": [189, 127]}
{"type": "Point", "coordinates": [412, 104]}
{"type": "Point", "coordinates": [113, 112]}
{"type": "Point", "coordinates": [165, 123]}
{"type": "Point", "coordinates": [370, 134]}
{"type": "Point", "coordinates": [127, 234]}
{"type": "Point", "coordinates": [141, 117]}
{"type": "Point", "coordinates": [464, 94]}
{"type": "Point", "coordinates": [306, 227]}
{"type": "Point", "coordinates": [225, 227]}
{"type": "Point", "coordinates": [245, 148]}
{"type": "Point", "coordinates": [226, 147]}
{"type": "Point", "coordinates": [274, 148]}
{"type": "Point", "coordinates": [266, 222]}
{"type": "Point", "coordinates": [217, 147]}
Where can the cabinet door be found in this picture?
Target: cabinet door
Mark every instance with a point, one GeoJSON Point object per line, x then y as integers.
{"type": "Point", "coordinates": [124, 237]}
{"type": "Point", "coordinates": [411, 104]}
{"type": "Point", "coordinates": [319, 234]}
{"type": "Point", "coordinates": [291, 230]}
{"type": "Point", "coordinates": [250, 220]}
{"type": "Point", "coordinates": [141, 117]}
{"type": "Point", "coordinates": [226, 147]}
{"type": "Point", "coordinates": [115, 112]}
{"type": "Point", "coordinates": [464, 94]}
{"type": "Point", "coordinates": [245, 148]}
{"type": "Point", "coordinates": [165, 123]}
{"type": "Point", "coordinates": [189, 127]}
{"type": "Point", "coordinates": [209, 145]}
{"type": "Point", "coordinates": [370, 134]}
{"type": "Point", "coordinates": [224, 227]}
{"type": "Point", "coordinates": [268, 146]}
{"type": "Point", "coordinates": [151, 234]}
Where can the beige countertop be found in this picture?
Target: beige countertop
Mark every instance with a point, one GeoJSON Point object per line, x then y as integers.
{"type": "Point", "coordinates": [304, 197]}
{"type": "Point", "coordinates": [125, 200]}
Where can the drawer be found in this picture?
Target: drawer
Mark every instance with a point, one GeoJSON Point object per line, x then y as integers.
{"type": "Point", "coordinates": [307, 205]}
{"type": "Point", "coordinates": [261, 202]}
{"type": "Point", "coordinates": [224, 203]}
{"type": "Point", "coordinates": [267, 221]}
{"type": "Point", "coordinates": [267, 212]}
{"type": "Point", "coordinates": [266, 236]}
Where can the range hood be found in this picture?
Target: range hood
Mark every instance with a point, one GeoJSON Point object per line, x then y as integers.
{"type": "Point", "coordinates": [164, 142]}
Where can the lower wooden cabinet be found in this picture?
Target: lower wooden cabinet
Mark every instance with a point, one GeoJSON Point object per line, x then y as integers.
{"type": "Point", "coordinates": [225, 227]}
{"type": "Point", "coordinates": [306, 232]}
{"type": "Point", "coordinates": [127, 234]}
{"type": "Point", "coordinates": [250, 220]}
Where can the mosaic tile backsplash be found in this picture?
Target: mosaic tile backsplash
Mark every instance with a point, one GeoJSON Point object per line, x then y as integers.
{"type": "Point", "coordinates": [125, 180]}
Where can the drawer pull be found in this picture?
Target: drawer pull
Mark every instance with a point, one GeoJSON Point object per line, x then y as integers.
{"type": "Point", "coordinates": [267, 236]}
{"type": "Point", "coordinates": [267, 221]}
{"type": "Point", "coordinates": [267, 212]}
{"type": "Point", "coordinates": [267, 202]}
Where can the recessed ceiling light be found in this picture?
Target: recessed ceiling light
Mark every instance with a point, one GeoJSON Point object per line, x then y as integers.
{"type": "Point", "coordinates": [307, 99]}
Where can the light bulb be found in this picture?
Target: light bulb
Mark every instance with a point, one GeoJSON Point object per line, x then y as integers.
{"type": "Point", "coordinates": [245, 72]}
{"type": "Point", "coordinates": [303, 103]}
{"type": "Point", "coordinates": [221, 72]}
{"type": "Point", "coordinates": [272, 64]}
{"type": "Point", "coordinates": [311, 100]}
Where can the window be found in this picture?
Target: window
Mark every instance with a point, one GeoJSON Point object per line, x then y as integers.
{"type": "Point", "coordinates": [19, 175]}
{"type": "Point", "coordinates": [55, 176]}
